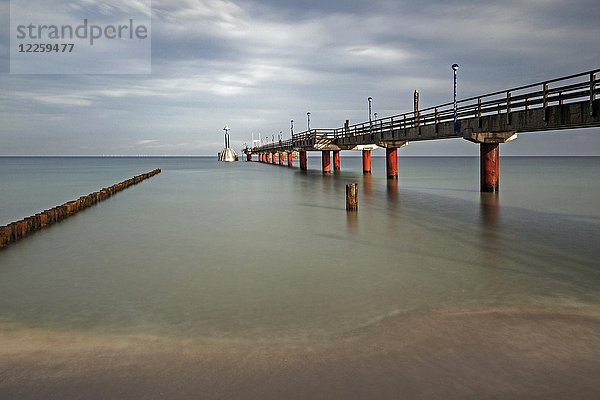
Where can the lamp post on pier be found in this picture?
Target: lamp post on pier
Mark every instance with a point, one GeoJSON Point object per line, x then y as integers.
{"type": "Point", "coordinates": [370, 100]}
{"type": "Point", "coordinates": [455, 70]}
{"type": "Point", "coordinates": [292, 127]}
{"type": "Point", "coordinates": [308, 120]}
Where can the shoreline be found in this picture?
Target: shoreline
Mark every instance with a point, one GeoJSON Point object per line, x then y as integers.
{"type": "Point", "coordinates": [496, 353]}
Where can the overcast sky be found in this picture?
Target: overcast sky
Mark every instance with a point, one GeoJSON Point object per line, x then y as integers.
{"type": "Point", "coordinates": [254, 65]}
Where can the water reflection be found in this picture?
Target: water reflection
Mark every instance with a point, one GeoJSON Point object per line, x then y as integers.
{"type": "Point", "coordinates": [490, 229]}
{"type": "Point", "coordinates": [368, 184]}
{"type": "Point", "coordinates": [352, 222]}
{"type": "Point", "coordinates": [489, 207]}
{"type": "Point", "coordinates": [392, 191]}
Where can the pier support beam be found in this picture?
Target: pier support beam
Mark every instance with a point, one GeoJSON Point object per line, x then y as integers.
{"type": "Point", "coordinates": [249, 157]}
{"type": "Point", "coordinates": [303, 161]}
{"type": "Point", "coordinates": [391, 158]}
{"type": "Point", "coordinates": [366, 161]}
{"type": "Point", "coordinates": [290, 157]}
{"type": "Point", "coordinates": [337, 164]}
{"type": "Point", "coordinates": [326, 158]}
{"type": "Point", "coordinates": [490, 166]}
{"type": "Point", "coordinates": [268, 158]}
{"type": "Point", "coordinates": [281, 156]}
{"type": "Point", "coordinates": [489, 150]}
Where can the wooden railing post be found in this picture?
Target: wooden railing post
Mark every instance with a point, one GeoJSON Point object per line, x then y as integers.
{"type": "Point", "coordinates": [592, 92]}
{"type": "Point", "coordinates": [508, 107]}
{"type": "Point", "coordinates": [545, 101]}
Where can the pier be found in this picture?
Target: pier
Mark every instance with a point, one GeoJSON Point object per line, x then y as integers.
{"type": "Point", "coordinates": [489, 120]}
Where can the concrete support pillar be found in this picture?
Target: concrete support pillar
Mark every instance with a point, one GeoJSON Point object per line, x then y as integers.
{"type": "Point", "coordinates": [366, 161]}
{"type": "Point", "coordinates": [391, 158]}
{"type": "Point", "coordinates": [281, 156]}
{"type": "Point", "coordinates": [337, 165]}
{"type": "Point", "coordinates": [290, 159]}
{"type": "Point", "coordinates": [326, 158]}
{"type": "Point", "coordinates": [303, 161]}
{"type": "Point", "coordinates": [490, 166]}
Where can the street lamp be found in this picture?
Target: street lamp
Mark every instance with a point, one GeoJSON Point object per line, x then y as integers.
{"type": "Point", "coordinates": [308, 120]}
{"type": "Point", "coordinates": [292, 127]}
{"type": "Point", "coordinates": [455, 70]}
{"type": "Point", "coordinates": [370, 100]}
{"type": "Point", "coordinates": [375, 116]}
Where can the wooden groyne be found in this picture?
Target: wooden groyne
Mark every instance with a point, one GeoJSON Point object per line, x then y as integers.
{"type": "Point", "coordinates": [16, 231]}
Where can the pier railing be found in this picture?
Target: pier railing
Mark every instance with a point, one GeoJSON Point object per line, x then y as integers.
{"type": "Point", "coordinates": [584, 86]}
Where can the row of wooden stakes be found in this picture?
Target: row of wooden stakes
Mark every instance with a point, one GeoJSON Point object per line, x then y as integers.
{"type": "Point", "coordinates": [21, 229]}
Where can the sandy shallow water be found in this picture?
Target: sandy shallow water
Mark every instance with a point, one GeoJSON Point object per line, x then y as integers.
{"type": "Point", "coordinates": [494, 353]}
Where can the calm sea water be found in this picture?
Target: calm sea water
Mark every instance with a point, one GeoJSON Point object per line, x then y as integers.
{"type": "Point", "coordinates": [254, 251]}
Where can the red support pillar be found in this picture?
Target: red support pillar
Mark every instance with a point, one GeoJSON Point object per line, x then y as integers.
{"type": "Point", "coordinates": [391, 157]}
{"type": "Point", "coordinates": [337, 165]}
{"type": "Point", "coordinates": [268, 158]}
{"type": "Point", "coordinates": [249, 157]}
{"type": "Point", "coordinates": [303, 161]}
{"type": "Point", "coordinates": [490, 166]}
{"type": "Point", "coordinates": [281, 156]}
{"type": "Point", "coordinates": [326, 158]}
{"type": "Point", "coordinates": [290, 159]}
{"type": "Point", "coordinates": [366, 159]}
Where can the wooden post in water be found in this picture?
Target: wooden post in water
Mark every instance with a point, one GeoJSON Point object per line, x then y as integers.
{"type": "Point", "coordinates": [326, 159]}
{"type": "Point", "coordinates": [303, 161]}
{"type": "Point", "coordinates": [366, 161]}
{"type": "Point", "coordinates": [490, 166]}
{"type": "Point", "coordinates": [352, 197]}
{"type": "Point", "coordinates": [336, 161]}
